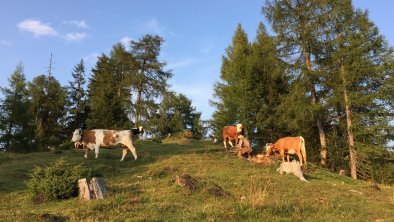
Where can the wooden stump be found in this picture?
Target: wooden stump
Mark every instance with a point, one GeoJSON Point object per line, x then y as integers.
{"type": "Point", "coordinates": [84, 190]}
{"type": "Point", "coordinates": [96, 189]}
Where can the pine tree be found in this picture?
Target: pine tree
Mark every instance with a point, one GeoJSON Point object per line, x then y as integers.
{"type": "Point", "coordinates": [17, 132]}
{"type": "Point", "coordinates": [76, 98]}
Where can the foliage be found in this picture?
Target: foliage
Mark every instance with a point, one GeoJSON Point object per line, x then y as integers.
{"type": "Point", "coordinates": [77, 105]}
{"type": "Point", "coordinates": [15, 126]}
{"type": "Point", "coordinates": [48, 99]}
{"type": "Point", "coordinates": [56, 182]}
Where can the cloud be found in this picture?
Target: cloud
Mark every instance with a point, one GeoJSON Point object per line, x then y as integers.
{"type": "Point", "coordinates": [75, 36]}
{"type": "Point", "coordinates": [153, 26]}
{"type": "Point", "coordinates": [181, 63]}
{"type": "Point", "coordinates": [126, 41]}
{"type": "Point", "coordinates": [91, 59]}
{"type": "Point", "coordinates": [37, 28]}
{"type": "Point", "coordinates": [4, 43]}
{"type": "Point", "coordinates": [77, 23]}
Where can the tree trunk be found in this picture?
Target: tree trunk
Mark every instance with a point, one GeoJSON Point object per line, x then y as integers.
{"type": "Point", "coordinates": [137, 107]}
{"type": "Point", "coordinates": [322, 135]}
{"type": "Point", "coordinates": [352, 151]}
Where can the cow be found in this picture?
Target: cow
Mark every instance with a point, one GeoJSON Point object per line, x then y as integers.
{"type": "Point", "coordinates": [288, 145]}
{"type": "Point", "coordinates": [232, 132]}
{"type": "Point", "coordinates": [94, 139]}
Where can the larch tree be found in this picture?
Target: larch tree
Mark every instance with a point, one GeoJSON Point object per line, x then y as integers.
{"type": "Point", "coordinates": [149, 80]}
{"type": "Point", "coordinates": [296, 24]}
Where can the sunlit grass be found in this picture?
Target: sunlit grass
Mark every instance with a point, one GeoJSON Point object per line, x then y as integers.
{"type": "Point", "coordinates": [144, 189]}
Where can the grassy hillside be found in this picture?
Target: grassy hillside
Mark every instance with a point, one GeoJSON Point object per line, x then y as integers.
{"type": "Point", "coordinates": [145, 189]}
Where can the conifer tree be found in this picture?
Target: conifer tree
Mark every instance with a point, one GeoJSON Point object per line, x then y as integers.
{"type": "Point", "coordinates": [296, 25]}
{"type": "Point", "coordinates": [48, 100]}
{"type": "Point", "coordinates": [228, 94]}
{"type": "Point", "coordinates": [17, 132]}
{"type": "Point", "coordinates": [76, 99]}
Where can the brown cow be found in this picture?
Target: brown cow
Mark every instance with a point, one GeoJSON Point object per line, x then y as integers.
{"type": "Point", "coordinates": [232, 132]}
{"type": "Point", "coordinates": [288, 145]}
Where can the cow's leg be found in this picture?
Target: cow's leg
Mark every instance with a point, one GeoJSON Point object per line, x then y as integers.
{"type": "Point", "coordinates": [124, 152]}
{"type": "Point", "coordinates": [230, 142]}
{"type": "Point", "coordinates": [86, 153]}
{"type": "Point", "coordinates": [96, 151]}
{"type": "Point", "coordinates": [299, 157]}
{"type": "Point", "coordinates": [288, 157]}
{"type": "Point", "coordinates": [129, 145]}
{"type": "Point", "coordinates": [224, 142]}
{"type": "Point", "coordinates": [282, 154]}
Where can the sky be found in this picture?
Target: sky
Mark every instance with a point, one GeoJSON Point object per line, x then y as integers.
{"type": "Point", "coordinates": [196, 34]}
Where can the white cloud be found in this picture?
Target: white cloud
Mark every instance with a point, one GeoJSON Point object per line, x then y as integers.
{"type": "Point", "coordinates": [4, 43]}
{"type": "Point", "coordinates": [126, 41]}
{"type": "Point", "coordinates": [181, 63]}
{"type": "Point", "coordinates": [75, 36]}
{"type": "Point", "coordinates": [153, 26]}
{"type": "Point", "coordinates": [37, 28]}
{"type": "Point", "coordinates": [77, 23]}
{"type": "Point", "coordinates": [91, 59]}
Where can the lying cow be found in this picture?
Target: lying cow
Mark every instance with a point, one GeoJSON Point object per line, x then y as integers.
{"type": "Point", "coordinates": [293, 167]}
{"type": "Point", "coordinates": [232, 132]}
{"type": "Point", "coordinates": [94, 139]}
{"type": "Point", "coordinates": [288, 145]}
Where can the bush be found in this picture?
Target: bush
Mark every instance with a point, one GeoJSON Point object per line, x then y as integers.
{"type": "Point", "coordinates": [56, 182]}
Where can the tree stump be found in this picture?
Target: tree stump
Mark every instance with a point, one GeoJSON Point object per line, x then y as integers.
{"type": "Point", "coordinates": [96, 189]}
{"type": "Point", "coordinates": [84, 190]}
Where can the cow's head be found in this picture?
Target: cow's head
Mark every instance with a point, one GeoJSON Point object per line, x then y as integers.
{"type": "Point", "coordinates": [269, 149]}
{"type": "Point", "coordinates": [137, 131]}
{"type": "Point", "coordinates": [240, 128]}
{"type": "Point", "coordinates": [77, 136]}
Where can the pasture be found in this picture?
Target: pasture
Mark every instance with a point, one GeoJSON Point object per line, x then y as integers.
{"type": "Point", "coordinates": [145, 189]}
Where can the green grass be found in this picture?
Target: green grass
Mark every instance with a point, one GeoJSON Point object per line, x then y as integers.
{"type": "Point", "coordinates": [144, 190]}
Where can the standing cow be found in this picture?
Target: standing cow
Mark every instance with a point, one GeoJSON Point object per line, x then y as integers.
{"type": "Point", "coordinates": [232, 132]}
{"type": "Point", "coordinates": [94, 139]}
{"type": "Point", "coordinates": [288, 145]}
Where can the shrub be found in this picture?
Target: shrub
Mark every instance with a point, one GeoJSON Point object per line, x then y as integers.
{"type": "Point", "coordinates": [56, 182]}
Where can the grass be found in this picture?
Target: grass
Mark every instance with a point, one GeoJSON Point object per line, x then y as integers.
{"type": "Point", "coordinates": [144, 190]}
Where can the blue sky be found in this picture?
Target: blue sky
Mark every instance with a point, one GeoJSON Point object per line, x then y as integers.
{"type": "Point", "coordinates": [196, 34]}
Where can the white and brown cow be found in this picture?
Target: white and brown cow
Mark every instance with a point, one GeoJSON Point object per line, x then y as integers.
{"type": "Point", "coordinates": [288, 145]}
{"type": "Point", "coordinates": [232, 132]}
{"type": "Point", "coordinates": [94, 139]}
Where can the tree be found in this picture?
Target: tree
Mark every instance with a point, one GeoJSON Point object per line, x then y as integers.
{"type": "Point", "coordinates": [48, 100]}
{"type": "Point", "coordinates": [15, 127]}
{"type": "Point", "coordinates": [297, 26]}
{"type": "Point", "coordinates": [106, 97]}
{"type": "Point", "coordinates": [359, 65]}
{"type": "Point", "coordinates": [177, 114]}
{"type": "Point", "coordinates": [149, 80]}
{"type": "Point", "coordinates": [227, 93]}
{"type": "Point", "coordinates": [76, 98]}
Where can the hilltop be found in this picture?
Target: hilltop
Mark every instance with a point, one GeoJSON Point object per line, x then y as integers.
{"type": "Point", "coordinates": [227, 189]}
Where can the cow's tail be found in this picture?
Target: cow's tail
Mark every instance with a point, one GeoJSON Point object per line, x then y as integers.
{"type": "Point", "coordinates": [302, 148]}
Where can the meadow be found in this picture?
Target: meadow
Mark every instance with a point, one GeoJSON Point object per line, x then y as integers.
{"type": "Point", "coordinates": [145, 189]}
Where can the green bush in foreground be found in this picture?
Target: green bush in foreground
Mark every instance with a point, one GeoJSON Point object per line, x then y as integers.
{"type": "Point", "coordinates": [56, 182]}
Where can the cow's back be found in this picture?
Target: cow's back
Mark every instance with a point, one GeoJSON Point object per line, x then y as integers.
{"type": "Point", "coordinates": [229, 131]}
{"type": "Point", "coordinates": [288, 143]}
{"type": "Point", "coordinates": [112, 138]}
